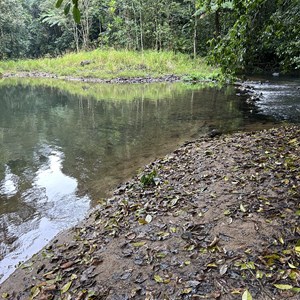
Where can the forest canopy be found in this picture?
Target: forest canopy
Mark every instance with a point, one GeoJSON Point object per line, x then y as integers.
{"type": "Point", "coordinates": [239, 35]}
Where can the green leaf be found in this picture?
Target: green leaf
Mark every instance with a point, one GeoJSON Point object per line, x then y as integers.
{"type": "Point", "coordinates": [142, 221]}
{"type": "Point", "coordinates": [26, 265]}
{"type": "Point", "coordinates": [227, 5]}
{"type": "Point", "coordinates": [138, 244]}
{"type": "Point", "coordinates": [35, 291]}
{"type": "Point", "coordinates": [58, 3]}
{"type": "Point", "coordinates": [242, 208]}
{"type": "Point", "coordinates": [259, 274]}
{"type": "Point", "coordinates": [227, 212]}
{"type": "Point", "coordinates": [293, 141]}
{"type": "Point", "coordinates": [281, 240]}
{"type": "Point", "coordinates": [292, 266]}
{"type": "Point", "coordinates": [66, 287]}
{"type": "Point", "coordinates": [283, 286]}
{"type": "Point", "coordinates": [248, 266]}
{"type": "Point", "coordinates": [67, 8]}
{"type": "Point", "coordinates": [246, 295]}
{"type": "Point", "coordinates": [76, 14]}
{"type": "Point", "coordinates": [158, 279]}
{"type": "Point", "coordinates": [186, 291]}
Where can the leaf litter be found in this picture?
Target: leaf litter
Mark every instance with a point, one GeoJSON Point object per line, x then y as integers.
{"type": "Point", "coordinates": [216, 219]}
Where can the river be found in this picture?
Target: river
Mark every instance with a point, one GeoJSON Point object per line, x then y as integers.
{"type": "Point", "coordinates": [64, 146]}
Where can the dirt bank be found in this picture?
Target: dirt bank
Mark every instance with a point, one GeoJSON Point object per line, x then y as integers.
{"type": "Point", "coordinates": [165, 78]}
{"type": "Point", "coordinates": [216, 219]}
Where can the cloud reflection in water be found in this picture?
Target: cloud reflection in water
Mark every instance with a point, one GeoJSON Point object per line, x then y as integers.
{"type": "Point", "coordinates": [51, 204]}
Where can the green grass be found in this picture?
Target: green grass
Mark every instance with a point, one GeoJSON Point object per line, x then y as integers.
{"type": "Point", "coordinates": [109, 64]}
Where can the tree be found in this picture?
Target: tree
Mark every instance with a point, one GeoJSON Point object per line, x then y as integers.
{"type": "Point", "coordinates": [14, 35]}
{"type": "Point", "coordinates": [258, 35]}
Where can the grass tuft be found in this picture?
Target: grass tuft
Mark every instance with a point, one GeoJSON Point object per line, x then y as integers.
{"type": "Point", "coordinates": [109, 64]}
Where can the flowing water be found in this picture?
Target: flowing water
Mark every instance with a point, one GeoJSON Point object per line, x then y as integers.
{"type": "Point", "coordinates": [63, 146]}
{"type": "Point", "coordinates": [279, 97]}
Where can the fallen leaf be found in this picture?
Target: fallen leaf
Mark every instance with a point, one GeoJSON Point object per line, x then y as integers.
{"type": "Point", "coordinates": [67, 265]}
{"type": "Point", "coordinates": [27, 265]}
{"type": "Point", "coordinates": [66, 287]}
{"type": "Point", "coordinates": [186, 291]}
{"type": "Point", "coordinates": [246, 295]}
{"type": "Point", "coordinates": [292, 266]}
{"type": "Point", "coordinates": [283, 286]}
{"type": "Point", "coordinates": [223, 269]}
{"type": "Point", "coordinates": [259, 274]}
{"type": "Point", "coordinates": [130, 235]}
{"type": "Point", "coordinates": [148, 218]}
{"type": "Point", "coordinates": [242, 208]}
{"type": "Point", "coordinates": [35, 291]}
{"type": "Point", "coordinates": [158, 278]}
{"type": "Point", "coordinates": [214, 242]}
{"type": "Point", "coordinates": [293, 141]}
{"type": "Point", "coordinates": [5, 295]}
{"type": "Point", "coordinates": [138, 244]}
{"type": "Point", "coordinates": [143, 221]}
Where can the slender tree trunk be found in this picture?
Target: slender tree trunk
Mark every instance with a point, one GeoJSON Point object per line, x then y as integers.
{"type": "Point", "coordinates": [76, 36]}
{"type": "Point", "coordinates": [85, 24]}
{"type": "Point", "coordinates": [195, 37]}
{"type": "Point", "coordinates": [156, 34]}
{"type": "Point", "coordinates": [136, 28]}
{"type": "Point", "coordinates": [217, 23]}
{"type": "Point", "coordinates": [141, 29]}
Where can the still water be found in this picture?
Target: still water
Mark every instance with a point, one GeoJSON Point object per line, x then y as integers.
{"type": "Point", "coordinates": [66, 145]}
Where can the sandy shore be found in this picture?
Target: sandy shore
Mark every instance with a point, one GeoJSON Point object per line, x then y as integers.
{"type": "Point", "coordinates": [216, 219]}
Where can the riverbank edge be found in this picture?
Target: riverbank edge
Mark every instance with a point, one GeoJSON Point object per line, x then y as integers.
{"type": "Point", "coordinates": [178, 229]}
{"type": "Point", "coordinates": [120, 80]}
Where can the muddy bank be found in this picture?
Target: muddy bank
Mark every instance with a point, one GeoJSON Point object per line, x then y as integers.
{"type": "Point", "coordinates": [216, 219]}
{"type": "Point", "coordinates": [165, 78]}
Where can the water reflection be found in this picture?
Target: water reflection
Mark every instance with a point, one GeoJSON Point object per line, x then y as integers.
{"type": "Point", "coordinates": [59, 153]}
{"type": "Point", "coordinates": [9, 185]}
{"type": "Point", "coordinates": [31, 217]}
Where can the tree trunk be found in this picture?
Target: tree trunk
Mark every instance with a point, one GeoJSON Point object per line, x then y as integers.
{"type": "Point", "coordinates": [217, 23]}
{"type": "Point", "coordinates": [141, 28]}
{"type": "Point", "coordinates": [76, 36]}
{"type": "Point", "coordinates": [195, 37]}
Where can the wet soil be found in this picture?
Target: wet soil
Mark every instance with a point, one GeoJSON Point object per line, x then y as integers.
{"type": "Point", "coordinates": [165, 78]}
{"type": "Point", "coordinates": [216, 219]}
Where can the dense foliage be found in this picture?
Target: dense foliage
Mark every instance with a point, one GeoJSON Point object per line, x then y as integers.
{"type": "Point", "coordinates": [238, 35]}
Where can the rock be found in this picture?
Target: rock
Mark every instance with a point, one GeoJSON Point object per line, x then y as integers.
{"type": "Point", "coordinates": [214, 132]}
{"type": "Point", "coordinates": [85, 62]}
{"type": "Point", "coordinates": [275, 74]}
